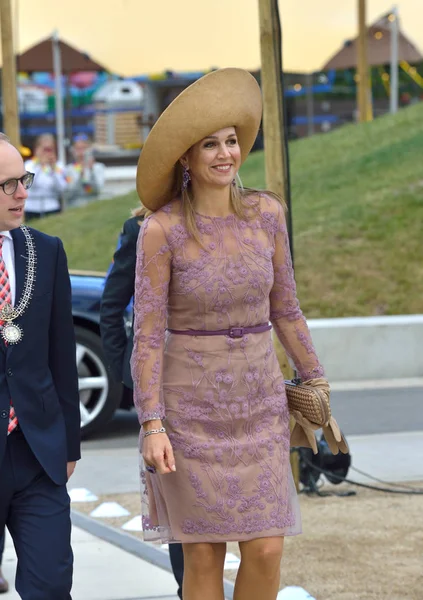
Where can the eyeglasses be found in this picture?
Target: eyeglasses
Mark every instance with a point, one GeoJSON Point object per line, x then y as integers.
{"type": "Point", "coordinates": [11, 185]}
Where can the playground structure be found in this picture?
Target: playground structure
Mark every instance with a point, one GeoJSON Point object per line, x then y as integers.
{"type": "Point", "coordinates": [317, 102]}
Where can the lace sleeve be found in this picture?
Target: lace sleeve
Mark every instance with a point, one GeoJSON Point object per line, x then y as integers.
{"type": "Point", "coordinates": [285, 314]}
{"type": "Point", "coordinates": [151, 293]}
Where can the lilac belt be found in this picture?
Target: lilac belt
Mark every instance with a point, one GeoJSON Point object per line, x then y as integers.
{"type": "Point", "coordinates": [233, 332]}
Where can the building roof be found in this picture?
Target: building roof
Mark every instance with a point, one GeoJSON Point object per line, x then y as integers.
{"type": "Point", "coordinates": [40, 58]}
{"type": "Point", "coordinates": [378, 48]}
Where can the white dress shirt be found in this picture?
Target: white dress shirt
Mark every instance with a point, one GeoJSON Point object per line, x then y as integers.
{"type": "Point", "coordinates": [9, 259]}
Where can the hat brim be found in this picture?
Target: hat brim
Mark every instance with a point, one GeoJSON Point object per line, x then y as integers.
{"type": "Point", "coordinates": [224, 98]}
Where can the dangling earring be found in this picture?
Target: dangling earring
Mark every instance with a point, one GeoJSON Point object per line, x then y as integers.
{"type": "Point", "coordinates": [237, 181]}
{"type": "Point", "coordinates": [186, 178]}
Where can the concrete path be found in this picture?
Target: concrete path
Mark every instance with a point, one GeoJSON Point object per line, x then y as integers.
{"type": "Point", "coordinates": [105, 572]}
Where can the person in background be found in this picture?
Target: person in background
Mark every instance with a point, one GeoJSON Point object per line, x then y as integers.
{"type": "Point", "coordinates": [4, 586]}
{"type": "Point", "coordinates": [84, 175]}
{"type": "Point", "coordinates": [118, 292]}
{"type": "Point", "coordinates": [46, 194]}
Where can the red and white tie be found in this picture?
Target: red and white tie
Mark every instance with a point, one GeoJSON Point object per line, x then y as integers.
{"type": "Point", "coordinates": [13, 419]}
{"type": "Point", "coordinates": [6, 298]}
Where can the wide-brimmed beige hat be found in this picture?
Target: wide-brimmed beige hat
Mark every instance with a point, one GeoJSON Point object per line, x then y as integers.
{"type": "Point", "coordinates": [223, 98]}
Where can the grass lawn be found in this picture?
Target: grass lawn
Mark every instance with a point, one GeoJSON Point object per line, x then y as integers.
{"type": "Point", "coordinates": [357, 207]}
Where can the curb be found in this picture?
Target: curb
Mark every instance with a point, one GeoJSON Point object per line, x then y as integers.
{"type": "Point", "coordinates": [128, 543]}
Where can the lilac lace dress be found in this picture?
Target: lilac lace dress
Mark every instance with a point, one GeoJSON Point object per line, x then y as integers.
{"type": "Point", "coordinates": [222, 399]}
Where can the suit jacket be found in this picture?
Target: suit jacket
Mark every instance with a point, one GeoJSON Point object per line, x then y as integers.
{"type": "Point", "coordinates": [39, 373]}
{"type": "Point", "coordinates": [117, 293]}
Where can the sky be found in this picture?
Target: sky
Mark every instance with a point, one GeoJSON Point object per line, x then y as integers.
{"type": "Point", "coordinates": [133, 37]}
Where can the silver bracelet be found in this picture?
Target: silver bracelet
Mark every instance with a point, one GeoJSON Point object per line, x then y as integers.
{"type": "Point", "coordinates": [152, 431]}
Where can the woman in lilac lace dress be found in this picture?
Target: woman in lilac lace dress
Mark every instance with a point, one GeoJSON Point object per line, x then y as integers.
{"type": "Point", "coordinates": [213, 269]}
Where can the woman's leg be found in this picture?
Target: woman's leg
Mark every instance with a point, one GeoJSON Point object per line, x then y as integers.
{"type": "Point", "coordinates": [203, 571]}
{"type": "Point", "coordinates": [259, 571]}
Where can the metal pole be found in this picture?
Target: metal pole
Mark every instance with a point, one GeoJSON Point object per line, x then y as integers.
{"type": "Point", "coordinates": [362, 66]}
{"type": "Point", "coordinates": [9, 85]}
{"type": "Point", "coordinates": [393, 98]}
{"type": "Point", "coordinates": [60, 118]}
{"type": "Point", "coordinates": [310, 104]}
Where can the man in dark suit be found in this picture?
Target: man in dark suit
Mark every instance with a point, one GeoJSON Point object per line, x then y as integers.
{"type": "Point", "coordinates": [39, 400]}
{"type": "Point", "coordinates": [118, 292]}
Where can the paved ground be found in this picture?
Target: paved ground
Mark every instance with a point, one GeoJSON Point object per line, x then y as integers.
{"type": "Point", "coordinates": [384, 428]}
{"type": "Point", "coordinates": [392, 457]}
{"type": "Point", "coordinates": [369, 411]}
{"type": "Point", "coordinates": [359, 412]}
{"type": "Point", "coordinates": [379, 425]}
{"type": "Point", "coordinates": [104, 572]}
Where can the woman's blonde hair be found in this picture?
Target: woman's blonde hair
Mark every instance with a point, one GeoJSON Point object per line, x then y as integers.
{"type": "Point", "coordinates": [238, 196]}
{"type": "Point", "coordinates": [141, 212]}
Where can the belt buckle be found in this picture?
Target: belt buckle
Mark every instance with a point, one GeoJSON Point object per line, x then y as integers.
{"type": "Point", "coordinates": [236, 332]}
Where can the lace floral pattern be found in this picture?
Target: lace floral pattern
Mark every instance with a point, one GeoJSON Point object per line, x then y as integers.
{"type": "Point", "coordinates": [223, 399]}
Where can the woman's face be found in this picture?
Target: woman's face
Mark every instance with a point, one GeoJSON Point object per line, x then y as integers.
{"type": "Point", "coordinates": [46, 148]}
{"type": "Point", "coordinates": [215, 160]}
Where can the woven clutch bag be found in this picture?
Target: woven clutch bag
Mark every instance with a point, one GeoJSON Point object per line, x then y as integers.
{"type": "Point", "coordinates": [311, 402]}
{"type": "Point", "coordinates": [309, 405]}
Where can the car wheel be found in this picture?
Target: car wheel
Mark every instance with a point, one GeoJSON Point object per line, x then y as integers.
{"type": "Point", "coordinates": [99, 395]}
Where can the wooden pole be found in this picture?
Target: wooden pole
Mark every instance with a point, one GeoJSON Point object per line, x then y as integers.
{"type": "Point", "coordinates": [272, 100]}
{"type": "Point", "coordinates": [273, 113]}
{"type": "Point", "coordinates": [274, 137]}
{"type": "Point", "coordinates": [363, 100]}
{"type": "Point", "coordinates": [393, 98]}
{"type": "Point", "coordinates": [10, 97]}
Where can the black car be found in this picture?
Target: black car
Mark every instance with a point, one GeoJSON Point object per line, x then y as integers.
{"type": "Point", "coordinates": [100, 396]}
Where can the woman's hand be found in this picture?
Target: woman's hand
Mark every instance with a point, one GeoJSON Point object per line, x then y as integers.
{"type": "Point", "coordinates": [158, 453]}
